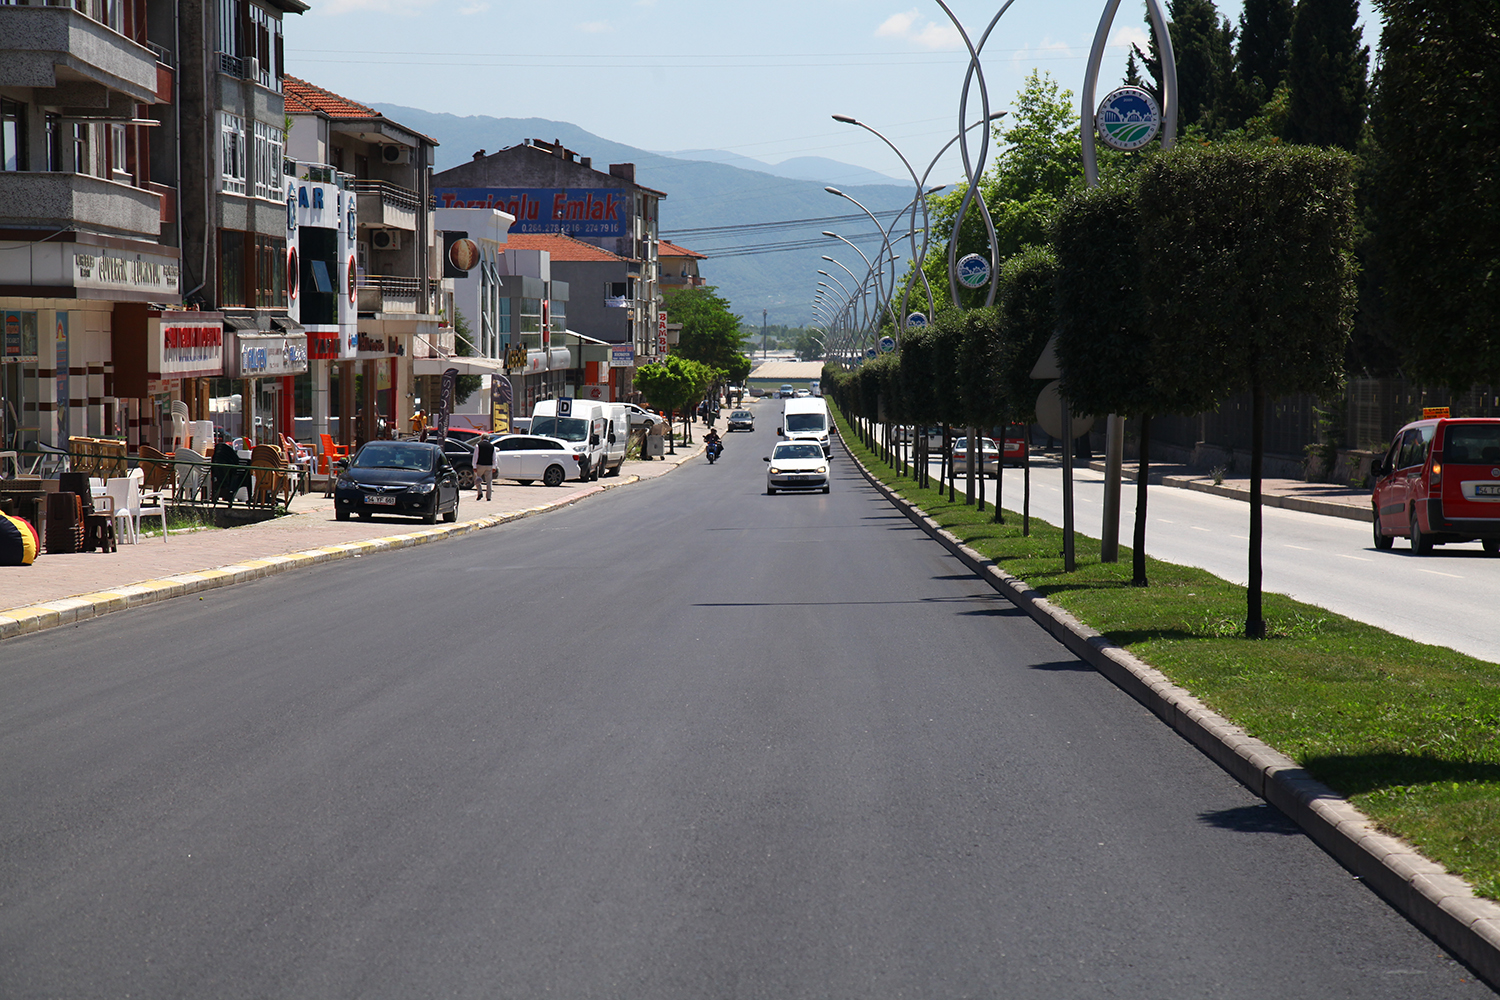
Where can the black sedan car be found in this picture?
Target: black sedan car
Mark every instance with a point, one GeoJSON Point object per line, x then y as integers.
{"type": "Point", "coordinates": [410, 478]}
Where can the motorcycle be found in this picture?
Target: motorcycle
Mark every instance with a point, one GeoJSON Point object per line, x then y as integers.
{"type": "Point", "coordinates": [714, 449]}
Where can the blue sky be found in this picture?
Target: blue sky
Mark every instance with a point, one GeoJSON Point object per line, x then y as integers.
{"type": "Point", "coordinates": [760, 79]}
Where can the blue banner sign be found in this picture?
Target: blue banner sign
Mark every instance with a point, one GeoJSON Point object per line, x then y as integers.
{"type": "Point", "coordinates": [591, 212]}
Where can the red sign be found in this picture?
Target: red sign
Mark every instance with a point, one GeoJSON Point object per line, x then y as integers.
{"type": "Point", "coordinates": [661, 331]}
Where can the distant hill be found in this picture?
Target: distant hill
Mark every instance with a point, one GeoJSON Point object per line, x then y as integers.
{"type": "Point", "coordinates": [703, 195]}
{"type": "Point", "coordinates": [798, 168]}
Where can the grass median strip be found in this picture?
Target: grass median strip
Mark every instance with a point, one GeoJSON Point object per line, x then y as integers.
{"type": "Point", "coordinates": [1409, 733]}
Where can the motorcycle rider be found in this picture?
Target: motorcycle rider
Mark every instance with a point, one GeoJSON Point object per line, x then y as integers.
{"type": "Point", "coordinates": [715, 446]}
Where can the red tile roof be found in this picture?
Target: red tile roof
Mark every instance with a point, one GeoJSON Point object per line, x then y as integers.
{"type": "Point", "coordinates": [560, 246]}
{"type": "Point", "coordinates": [302, 98]}
{"type": "Point", "coordinates": [673, 250]}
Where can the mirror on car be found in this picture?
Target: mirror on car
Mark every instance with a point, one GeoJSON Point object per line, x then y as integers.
{"type": "Point", "coordinates": [766, 459]}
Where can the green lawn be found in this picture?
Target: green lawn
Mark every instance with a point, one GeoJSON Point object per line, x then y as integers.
{"type": "Point", "coordinates": [1409, 733]}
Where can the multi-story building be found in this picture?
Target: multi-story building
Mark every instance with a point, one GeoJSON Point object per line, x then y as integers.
{"type": "Point", "coordinates": [550, 189]}
{"type": "Point", "coordinates": [397, 275]}
{"type": "Point", "coordinates": [679, 270]}
{"type": "Point", "coordinates": [88, 223]}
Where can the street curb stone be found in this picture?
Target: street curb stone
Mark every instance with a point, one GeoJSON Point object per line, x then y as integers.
{"type": "Point", "coordinates": [1328, 508]}
{"type": "Point", "coordinates": [1440, 904]}
{"type": "Point", "coordinates": [51, 614]}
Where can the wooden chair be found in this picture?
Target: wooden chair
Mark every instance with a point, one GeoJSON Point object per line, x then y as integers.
{"type": "Point", "coordinates": [273, 476]}
{"type": "Point", "coordinates": [156, 469]}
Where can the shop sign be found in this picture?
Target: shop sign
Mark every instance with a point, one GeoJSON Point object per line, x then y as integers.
{"type": "Point", "coordinates": [20, 336]}
{"type": "Point", "coordinates": [536, 361]}
{"type": "Point", "coordinates": [598, 393]}
{"type": "Point", "coordinates": [622, 357]}
{"type": "Point", "coordinates": [63, 391]}
{"type": "Point", "coordinates": [271, 355]}
{"type": "Point", "coordinates": [325, 345]}
{"type": "Point", "coordinates": [367, 346]}
{"type": "Point", "coordinates": [559, 359]}
{"type": "Point", "coordinates": [515, 358]}
{"type": "Point", "coordinates": [584, 212]}
{"type": "Point", "coordinates": [184, 348]}
{"type": "Point", "coordinates": [110, 270]}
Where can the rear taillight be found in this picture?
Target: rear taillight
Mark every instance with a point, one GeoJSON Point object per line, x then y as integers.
{"type": "Point", "coordinates": [1437, 474]}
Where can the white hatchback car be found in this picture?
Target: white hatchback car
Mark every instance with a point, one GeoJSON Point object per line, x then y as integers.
{"type": "Point", "coordinates": [797, 465]}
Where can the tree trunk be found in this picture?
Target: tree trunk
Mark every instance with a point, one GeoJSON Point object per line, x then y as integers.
{"type": "Point", "coordinates": [1142, 476]}
{"type": "Point", "coordinates": [1255, 625]}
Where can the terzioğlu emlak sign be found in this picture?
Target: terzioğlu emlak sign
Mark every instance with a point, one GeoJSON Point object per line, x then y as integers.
{"type": "Point", "coordinates": [596, 212]}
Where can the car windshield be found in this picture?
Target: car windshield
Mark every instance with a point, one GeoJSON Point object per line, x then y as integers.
{"type": "Point", "coordinates": [740, 415]}
{"type": "Point", "coordinates": [1473, 443]}
{"type": "Point", "coordinates": [805, 422]}
{"type": "Point", "coordinates": [389, 455]}
{"type": "Point", "coordinates": [786, 451]}
{"type": "Point", "coordinates": [567, 428]}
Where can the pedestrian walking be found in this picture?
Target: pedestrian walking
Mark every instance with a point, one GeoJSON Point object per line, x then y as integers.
{"type": "Point", "coordinates": [483, 457]}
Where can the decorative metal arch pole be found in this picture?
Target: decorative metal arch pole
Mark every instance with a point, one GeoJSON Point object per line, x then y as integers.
{"type": "Point", "coordinates": [1114, 435]}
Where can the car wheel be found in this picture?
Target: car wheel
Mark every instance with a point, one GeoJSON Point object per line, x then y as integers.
{"type": "Point", "coordinates": [525, 482]}
{"type": "Point", "coordinates": [553, 476]}
{"type": "Point", "coordinates": [341, 515]}
{"type": "Point", "coordinates": [452, 515]}
{"type": "Point", "coordinates": [825, 489]}
{"type": "Point", "coordinates": [466, 479]}
{"type": "Point", "coordinates": [431, 516]}
{"type": "Point", "coordinates": [1421, 545]}
{"type": "Point", "coordinates": [770, 491]}
{"type": "Point", "coordinates": [1383, 542]}
{"type": "Point", "coordinates": [1491, 546]}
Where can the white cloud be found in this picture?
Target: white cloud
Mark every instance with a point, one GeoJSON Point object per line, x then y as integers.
{"type": "Point", "coordinates": [595, 27]}
{"type": "Point", "coordinates": [911, 27]}
{"type": "Point", "coordinates": [474, 8]}
{"type": "Point", "coordinates": [1130, 34]}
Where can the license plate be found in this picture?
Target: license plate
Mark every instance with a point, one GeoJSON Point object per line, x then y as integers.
{"type": "Point", "coordinates": [383, 501]}
{"type": "Point", "coordinates": [1487, 490]}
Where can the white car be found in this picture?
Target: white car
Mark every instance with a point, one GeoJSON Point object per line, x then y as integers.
{"type": "Point", "coordinates": [987, 463]}
{"type": "Point", "coordinates": [528, 457]}
{"type": "Point", "coordinates": [797, 465]}
{"type": "Point", "coordinates": [642, 418]}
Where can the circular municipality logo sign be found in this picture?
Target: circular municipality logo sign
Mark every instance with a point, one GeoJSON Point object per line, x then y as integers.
{"type": "Point", "coordinates": [973, 271]}
{"type": "Point", "coordinates": [916, 321]}
{"type": "Point", "coordinates": [1128, 118]}
{"type": "Point", "coordinates": [887, 344]}
{"type": "Point", "coordinates": [869, 352]}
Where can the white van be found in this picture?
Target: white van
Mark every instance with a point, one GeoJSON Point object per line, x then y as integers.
{"type": "Point", "coordinates": [807, 419]}
{"type": "Point", "coordinates": [584, 427]}
{"type": "Point", "coordinates": [616, 437]}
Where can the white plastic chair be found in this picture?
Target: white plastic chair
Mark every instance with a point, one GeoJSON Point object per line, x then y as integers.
{"type": "Point", "coordinates": [120, 490]}
{"type": "Point", "coordinates": [192, 474]}
{"type": "Point", "coordinates": [143, 505]}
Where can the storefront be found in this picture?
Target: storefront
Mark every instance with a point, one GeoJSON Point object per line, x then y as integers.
{"type": "Point", "coordinates": [162, 356]}
{"type": "Point", "coordinates": [262, 367]}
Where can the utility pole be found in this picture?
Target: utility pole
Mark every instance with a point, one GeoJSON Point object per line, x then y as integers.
{"type": "Point", "coordinates": [763, 334]}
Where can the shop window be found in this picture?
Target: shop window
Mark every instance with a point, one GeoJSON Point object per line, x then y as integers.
{"type": "Point", "coordinates": [12, 135]}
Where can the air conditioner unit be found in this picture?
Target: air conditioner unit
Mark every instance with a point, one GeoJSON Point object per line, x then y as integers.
{"type": "Point", "coordinates": [252, 68]}
{"type": "Point", "coordinates": [386, 239]}
{"type": "Point", "coordinates": [395, 154]}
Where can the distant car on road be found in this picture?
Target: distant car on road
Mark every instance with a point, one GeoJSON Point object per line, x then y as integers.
{"type": "Point", "coordinates": [786, 391]}
{"type": "Point", "coordinates": [1440, 483]}
{"type": "Point", "coordinates": [741, 420]}
{"type": "Point", "coordinates": [988, 462]}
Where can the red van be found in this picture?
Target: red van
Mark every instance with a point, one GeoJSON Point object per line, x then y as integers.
{"type": "Point", "coordinates": [1440, 482]}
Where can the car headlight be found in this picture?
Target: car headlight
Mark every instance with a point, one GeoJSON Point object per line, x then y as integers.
{"type": "Point", "coordinates": [421, 487]}
{"type": "Point", "coordinates": [822, 469]}
{"type": "Point", "coordinates": [775, 471]}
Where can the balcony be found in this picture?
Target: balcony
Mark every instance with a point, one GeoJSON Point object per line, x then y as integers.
{"type": "Point", "coordinates": [387, 206]}
{"type": "Point", "coordinates": [73, 61]}
{"type": "Point", "coordinates": [378, 293]}
{"type": "Point", "coordinates": [43, 200]}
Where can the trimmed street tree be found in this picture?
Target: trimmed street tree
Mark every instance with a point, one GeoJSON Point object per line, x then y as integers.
{"type": "Point", "coordinates": [1436, 203]}
{"type": "Point", "coordinates": [674, 384]}
{"type": "Point", "coordinates": [1250, 280]}
{"type": "Point", "coordinates": [1027, 318]}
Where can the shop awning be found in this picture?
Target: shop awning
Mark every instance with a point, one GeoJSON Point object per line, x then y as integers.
{"type": "Point", "coordinates": [465, 366]}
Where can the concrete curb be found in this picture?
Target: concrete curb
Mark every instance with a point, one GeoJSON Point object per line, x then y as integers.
{"type": "Point", "coordinates": [1440, 904]}
{"type": "Point", "coordinates": [51, 614]}
{"type": "Point", "coordinates": [1328, 508]}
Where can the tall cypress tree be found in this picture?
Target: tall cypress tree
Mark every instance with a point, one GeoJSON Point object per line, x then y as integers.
{"type": "Point", "coordinates": [1264, 47]}
{"type": "Point", "coordinates": [1327, 72]}
{"type": "Point", "coordinates": [1201, 42]}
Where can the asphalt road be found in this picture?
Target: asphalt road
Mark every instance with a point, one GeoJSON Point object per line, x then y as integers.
{"type": "Point", "coordinates": [683, 740]}
{"type": "Point", "coordinates": [1447, 598]}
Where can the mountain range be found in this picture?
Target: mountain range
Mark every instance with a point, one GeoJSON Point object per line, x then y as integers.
{"type": "Point", "coordinates": [772, 268]}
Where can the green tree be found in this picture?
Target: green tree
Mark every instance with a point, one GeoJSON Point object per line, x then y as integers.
{"type": "Point", "coordinates": [1202, 43]}
{"type": "Point", "coordinates": [463, 341]}
{"type": "Point", "coordinates": [1028, 316]}
{"type": "Point", "coordinates": [710, 332]}
{"type": "Point", "coordinates": [1251, 281]}
{"type": "Point", "coordinates": [1436, 198]}
{"type": "Point", "coordinates": [1263, 53]}
{"type": "Point", "coordinates": [1327, 74]}
{"type": "Point", "coordinates": [674, 384]}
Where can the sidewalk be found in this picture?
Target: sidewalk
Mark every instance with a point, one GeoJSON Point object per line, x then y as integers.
{"type": "Point", "coordinates": [65, 587]}
{"type": "Point", "coordinates": [1328, 499]}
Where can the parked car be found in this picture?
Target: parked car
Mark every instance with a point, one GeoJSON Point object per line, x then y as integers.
{"type": "Point", "coordinates": [527, 458]}
{"type": "Point", "coordinates": [797, 465]}
{"type": "Point", "coordinates": [741, 420]}
{"type": "Point", "coordinates": [585, 429]}
{"type": "Point", "coordinates": [410, 478]}
{"type": "Point", "coordinates": [641, 417]}
{"type": "Point", "coordinates": [800, 394]}
{"type": "Point", "coordinates": [460, 452]}
{"type": "Point", "coordinates": [988, 459]}
{"type": "Point", "coordinates": [1440, 483]}
{"type": "Point", "coordinates": [1015, 446]}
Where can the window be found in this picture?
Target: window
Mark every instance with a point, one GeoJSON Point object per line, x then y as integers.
{"type": "Point", "coordinates": [559, 316]}
{"type": "Point", "coordinates": [270, 273]}
{"type": "Point", "coordinates": [231, 153]}
{"type": "Point", "coordinates": [12, 135]}
{"type": "Point", "coordinates": [270, 142]}
{"type": "Point", "coordinates": [531, 316]}
{"type": "Point", "coordinates": [504, 314]}
{"type": "Point", "coordinates": [119, 157]}
{"type": "Point", "coordinates": [232, 267]}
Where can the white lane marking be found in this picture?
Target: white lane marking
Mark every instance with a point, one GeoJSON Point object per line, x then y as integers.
{"type": "Point", "coordinates": [1197, 528]}
{"type": "Point", "coordinates": [1345, 555]}
{"type": "Point", "coordinates": [1451, 576]}
{"type": "Point", "coordinates": [1299, 548]}
{"type": "Point", "coordinates": [1162, 520]}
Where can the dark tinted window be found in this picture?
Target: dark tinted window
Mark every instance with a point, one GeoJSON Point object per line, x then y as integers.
{"type": "Point", "coordinates": [1472, 443]}
{"type": "Point", "coordinates": [391, 455]}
